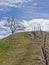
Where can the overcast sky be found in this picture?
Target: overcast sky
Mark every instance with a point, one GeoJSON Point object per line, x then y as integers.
{"type": "Point", "coordinates": [26, 10]}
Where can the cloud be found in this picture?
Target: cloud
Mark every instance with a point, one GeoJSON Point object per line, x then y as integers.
{"type": "Point", "coordinates": [36, 22]}
{"type": "Point", "coordinates": [24, 9]}
{"type": "Point", "coordinates": [5, 4]}
{"type": "Point", "coordinates": [4, 31]}
{"type": "Point", "coordinates": [29, 26]}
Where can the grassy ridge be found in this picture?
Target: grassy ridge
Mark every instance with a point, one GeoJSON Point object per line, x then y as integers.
{"type": "Point", "coordinates": [21, 49]}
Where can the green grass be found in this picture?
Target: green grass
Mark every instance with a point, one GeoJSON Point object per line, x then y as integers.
{"type": "Point", "coordinates": [21, 49]}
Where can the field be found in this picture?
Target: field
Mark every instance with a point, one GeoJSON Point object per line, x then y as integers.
{"type": "Point", "coordinates": [23, 49]}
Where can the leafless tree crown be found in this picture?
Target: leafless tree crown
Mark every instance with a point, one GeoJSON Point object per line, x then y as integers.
{"type": "Point", "coordinates": [15, 25]}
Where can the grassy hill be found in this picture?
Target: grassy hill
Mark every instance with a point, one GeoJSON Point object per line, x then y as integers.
{"type": "Point", "coordinates": [22, 49]}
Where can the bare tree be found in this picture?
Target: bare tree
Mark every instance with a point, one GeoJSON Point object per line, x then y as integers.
{"type": "Point", "coordinates": [44, 49]}
{"type": "Point", "coordinates": [40, 30]}
{"type": "Point", "coordinates": [12, 24]}
{"type": "Point", "coordinates": [34, 31]}
{"type": "Point", "coordinates": [43, 36]}
{"type": "Point", "coordinates": [15, 25]}
{"type": "Point", "coordinates": [39, 27]}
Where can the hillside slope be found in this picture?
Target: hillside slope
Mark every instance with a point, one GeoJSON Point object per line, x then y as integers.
{"type": "Point", "coordinates": [22, 49]}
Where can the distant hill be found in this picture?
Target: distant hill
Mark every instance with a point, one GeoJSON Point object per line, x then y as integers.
{"type": "Point", "coordinates": [23, 49]}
